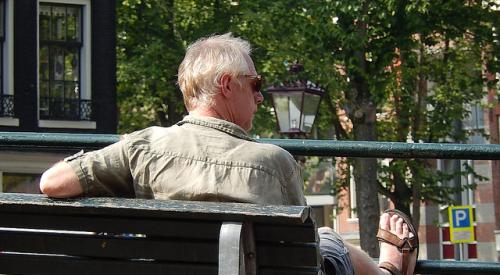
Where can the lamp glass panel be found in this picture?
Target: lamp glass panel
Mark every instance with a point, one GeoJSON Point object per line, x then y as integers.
{"type": "Point", "coordinates": [309, 111]}
{"type": "Point", "coordinates": [287, 107]}
{"type": "Point", "coordinates": [281, 108]}
{"type": "Point", "coordinates": [295, 105]}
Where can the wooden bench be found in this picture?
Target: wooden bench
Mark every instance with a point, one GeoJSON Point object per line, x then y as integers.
{"type": "Point", "coordinates": [39, 235]}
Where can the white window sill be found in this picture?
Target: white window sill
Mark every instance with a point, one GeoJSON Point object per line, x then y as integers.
{"type": "Point", "coordinates": [9, 121]}
{"type": "Point", "coordinates": [320, 200]}
{"type": "Point", "coordinates": [68, 124]}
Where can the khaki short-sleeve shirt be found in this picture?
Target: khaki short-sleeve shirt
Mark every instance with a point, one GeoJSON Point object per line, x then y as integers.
{"type": "Point", "coordinates": [200, 158]}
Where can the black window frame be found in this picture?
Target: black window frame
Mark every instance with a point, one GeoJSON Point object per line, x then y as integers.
{"type": "Point", "coordinates": [6, 100]}
{"type": "Point", "coordinates": [62, 107]}
{"type": "Point", "coordinates": [2, 40]}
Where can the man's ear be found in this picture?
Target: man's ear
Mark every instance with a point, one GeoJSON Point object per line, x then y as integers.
{"type": "Point", "coordinates": [225, 88]}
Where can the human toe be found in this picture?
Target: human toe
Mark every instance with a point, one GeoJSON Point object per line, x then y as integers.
{"type": "Point", "coordinates": [385, 221]}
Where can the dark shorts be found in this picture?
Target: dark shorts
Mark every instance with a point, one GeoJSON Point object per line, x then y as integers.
{"type": "Point", "coordinates": [335, 254]}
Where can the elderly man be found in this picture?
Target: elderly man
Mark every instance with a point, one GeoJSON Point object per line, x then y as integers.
{"type": "Point", "coordinates": [209, 156]}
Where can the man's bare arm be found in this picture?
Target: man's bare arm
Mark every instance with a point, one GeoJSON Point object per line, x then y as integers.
{"type": "Point", "coordinates": [60, 181]}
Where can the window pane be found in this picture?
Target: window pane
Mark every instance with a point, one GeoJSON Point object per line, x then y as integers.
{"type": "Point", "coordinates": [44, 98]}
{"type": "Point", "coordinates": [71, 62]}
{"type": "Point", "coordinates": [44, 89]}
{"type": "Point", "coordinates": [57, 90]}
{"type": "Point", "coordinates": [74, 26]}
{"type": "Point", "coordinates": [71, 101]}
{"type": "Point", "coordinates": [70, 91]}
{"type": "Point", "coordinates": [56, 99]}
{"type": "Point", "coordinates": [58, 63]}
{"type": "Point", "coordinates": [44, 63]}
{"type": "Point", "coordinates": [20, 183]}
{"type": "Point", "coordinates": [44, 22]}
{"type": "Point", "coordinates": [58, 23]}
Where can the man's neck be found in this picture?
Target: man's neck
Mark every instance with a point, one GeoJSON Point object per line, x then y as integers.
{"type": "Point", "coordinates": [203, 111]}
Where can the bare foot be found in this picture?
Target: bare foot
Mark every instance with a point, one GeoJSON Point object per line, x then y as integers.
{"type": "Point", "coordinates": [388, 252]}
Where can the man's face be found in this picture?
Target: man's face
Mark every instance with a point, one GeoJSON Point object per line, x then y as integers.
{"type": "Point", "coordinates": [247, 97]}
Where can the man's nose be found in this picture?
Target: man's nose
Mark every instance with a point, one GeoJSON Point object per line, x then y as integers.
{"type": "Point", "coordinates": [259, 98]}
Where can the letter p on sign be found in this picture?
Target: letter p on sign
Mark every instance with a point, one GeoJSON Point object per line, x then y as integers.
{"type": "Point", "coordinates": [461, 217]}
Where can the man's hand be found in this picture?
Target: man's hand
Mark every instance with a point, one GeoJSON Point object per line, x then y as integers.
{"type": "Point", "coordinates": [60, 181]}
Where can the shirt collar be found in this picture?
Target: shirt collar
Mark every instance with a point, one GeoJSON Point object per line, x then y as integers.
{"type": "Point", "coordinates": [218, 124]}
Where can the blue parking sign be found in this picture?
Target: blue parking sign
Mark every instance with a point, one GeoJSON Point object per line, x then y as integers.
{"type": "Point", "coordinates": [461, 224]}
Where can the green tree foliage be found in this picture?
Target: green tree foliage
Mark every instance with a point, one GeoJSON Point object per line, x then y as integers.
{"type": "Point", "coordinates": [375, 59]}
{"type": "Point", "coordinates": [398, 69]}
{"type": "Point", "coordinates": [152, 36]}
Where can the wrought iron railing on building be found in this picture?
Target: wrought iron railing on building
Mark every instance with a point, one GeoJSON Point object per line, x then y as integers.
{"type": "Point", "coordinates": [6, 105]}
{"type": "Point", "coordinates": [68, 143]}
{"type": "Point", "coordinates": [65, 108]}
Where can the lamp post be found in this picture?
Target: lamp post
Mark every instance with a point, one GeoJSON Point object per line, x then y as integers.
{"type": "Point", "coordinates": [296, 104]}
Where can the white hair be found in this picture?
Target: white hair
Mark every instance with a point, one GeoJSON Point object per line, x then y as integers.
{"type": "Point", "coordinates": [205, 62]}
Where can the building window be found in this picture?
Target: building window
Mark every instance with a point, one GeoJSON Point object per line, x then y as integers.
{"type": "Point", "coordinates": [475, 119]}
{"type": "Point", "coordinates": [62, 62]}
{"type": "Point", "coordinates": [2, 39]}
{"type": "Point", "coordinates": [6, 100]}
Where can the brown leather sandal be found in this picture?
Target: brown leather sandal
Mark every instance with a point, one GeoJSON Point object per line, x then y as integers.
{"type": "Point", "coordinates": [407, 246]}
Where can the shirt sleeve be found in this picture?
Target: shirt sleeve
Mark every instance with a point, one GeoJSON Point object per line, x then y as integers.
{"type": "Point", "coordinates": [104, 172]}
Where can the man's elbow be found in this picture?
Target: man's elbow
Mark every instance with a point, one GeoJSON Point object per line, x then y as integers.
{"type": "Point", "coordinates": [60, 182]}
{"type": "Point", "coordinates": [48, 184]}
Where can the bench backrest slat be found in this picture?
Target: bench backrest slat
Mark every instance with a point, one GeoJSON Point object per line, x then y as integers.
{"type": "Point", "coordinates": [119, 247]}
{"type": "Point", "coordinates": [157, 227]}
{"type": "Point", "coordinates": [63, 265]}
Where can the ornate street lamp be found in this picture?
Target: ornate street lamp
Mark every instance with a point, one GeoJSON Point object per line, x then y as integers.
{"type": "Point", "coordinates": [296, 104]}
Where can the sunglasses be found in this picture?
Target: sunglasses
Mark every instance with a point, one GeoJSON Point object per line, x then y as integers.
{"type": "Point", "coordinates": [257, 82]}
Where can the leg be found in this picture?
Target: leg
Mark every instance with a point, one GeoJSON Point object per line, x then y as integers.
{"type": "Point", "coordinates": [359, 261]}
{"type": "Point", "coordinates": [362, 263]}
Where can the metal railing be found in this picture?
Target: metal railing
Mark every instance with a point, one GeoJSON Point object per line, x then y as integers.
{"type": "Point", "coordinates": [368, 149]}
{"type": "Point", "coordinates": [6, 105]}
{"type": "Point", "coordinates": [65, 108]}
{"type": "Point", "coordinates": [59, 142]}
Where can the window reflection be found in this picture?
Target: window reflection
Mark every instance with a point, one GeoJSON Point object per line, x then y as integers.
{"type": "Point", "coordinates": [20, 183]}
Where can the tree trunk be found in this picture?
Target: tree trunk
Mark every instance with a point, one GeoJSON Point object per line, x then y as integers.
{"type": "Point", "coordinates": [363, 117]}
{"type": "Point", "coordinates": [365, 176]}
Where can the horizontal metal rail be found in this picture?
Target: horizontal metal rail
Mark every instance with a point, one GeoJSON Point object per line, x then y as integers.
{"type": "Point", "coordinates": [456, 267]}
{"type": "Point", "coordinates": [369, 149]}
